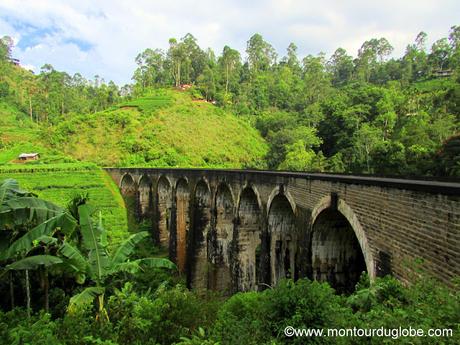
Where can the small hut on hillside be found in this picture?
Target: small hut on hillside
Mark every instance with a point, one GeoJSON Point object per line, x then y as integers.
{"type": "Point", "coordinates": [24, 157]}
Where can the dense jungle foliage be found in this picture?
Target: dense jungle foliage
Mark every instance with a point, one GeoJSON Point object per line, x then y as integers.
{"type": "Point", "coordinates": [368, 114]}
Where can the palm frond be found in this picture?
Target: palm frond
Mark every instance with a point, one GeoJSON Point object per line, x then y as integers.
{"type": "Point", "coordinates": [33, 262]}
{"type": "Point", "coordinates": [85, 297]}
{"type": "Point", "coordinates": [77, 260]}
{"type": "Point", "coordinates": [26, 210]}
{"type": "Point", "coordinates": [9, 189]}
{"type": "Point", "coordinates": [157, 263]}
{"type": "Point", "coordinates": [22, 245]}
{"type": "Point", "coordinates": [97, 253]}
{"type": "Point", "coordinates": [126, 248]}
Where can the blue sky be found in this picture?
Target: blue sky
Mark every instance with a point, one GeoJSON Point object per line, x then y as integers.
{"type": "Point", "coordinates": [103, 37]}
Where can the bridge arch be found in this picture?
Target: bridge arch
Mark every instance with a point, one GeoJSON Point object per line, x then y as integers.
{"type": "Point", "coordinates": [182, 221]}
{"type": "Point", "coordinates": [339, 246]}
{"type": "Point", "coordinates": [145, 195]}
{"type": "Point", "coordinates": [248, 237]}
{"type": "Point", "coordinates": [283, 238]}
{"type": "Point", "coordinates": [164, 205]}
{"type": "Point", "coordinates": [281, 190]}
{"type": "Point", "coordinates": [221, 240]}
{"type": "Point", "coordinates": [127, 185]}
{"type": "Point", "coordinates": [255, 191]}
{"type": "Point", "coordinates": [201, 218]}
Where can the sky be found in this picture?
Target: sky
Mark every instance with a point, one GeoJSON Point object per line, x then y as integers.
{"type": "Point", "coordinates": [103, 37]}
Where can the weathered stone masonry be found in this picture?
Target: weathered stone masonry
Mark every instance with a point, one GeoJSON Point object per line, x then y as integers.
{"type": "Point", "coordinates": [236, 230]}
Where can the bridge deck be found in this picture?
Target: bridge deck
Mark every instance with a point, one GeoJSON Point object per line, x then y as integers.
{"type": "Point", "coordinates": [449, 186]}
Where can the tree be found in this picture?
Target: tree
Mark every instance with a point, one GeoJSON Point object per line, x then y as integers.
{"type": "Point", "coordinates": [207, 83]}
{"type": "Point", "coordinates": [341, 66]}
{"type": "Point", "coordinates": [151, 68]}
{"type": "Point", "coordinates": [386, 113]}
{"type": "Point", "coordinates": [31, 89]}
{"type": "Point", "coordinates": [29, 221]}
{"type": "Point", "coordinates": [365, 140]}
{"type": "Point", "coordinates": [454, 40]}
{"type": "Point", "coordinates": [284, 93]}
{"type": "Point", "coordinates": [440, 54]}
{"type": "Point", "coordinates": [447, 159]}
{"type": "Point", "coordinates": [195, 59]}
{"type": "Point", "coordinates": [230, 62]}
{"type": "Point", "coordinates": [6, 46]}
{"type": "Point", "coordinates": [420, 41]}
{"type": "Point", "coordinates": [370, 54]}
{"type": "Point", "coordinates": [316, 79]}
{"type": "Point", "coordinates": [176, 54]}
{"type": "Point", "coordinates": [298, 158]}
{"type": "Point", "coordinates": [52, 92]}
{"type": "Point", "coordinates": [261, 54]}
{"type": "Point", "coordinates": [301, 158]}
{"type": "Point", "coordinates": [291, 59]}
{"type": "Point", "coordinates": [93, 260]}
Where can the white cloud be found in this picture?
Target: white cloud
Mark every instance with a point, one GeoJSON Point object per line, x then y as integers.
{"type": "Point", "coordinates": [116, 31]}
{"type": "Point", "coordinates": [29, 67]}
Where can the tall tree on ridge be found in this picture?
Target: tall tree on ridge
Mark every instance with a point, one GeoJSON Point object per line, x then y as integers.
{"type": "Point", "coordinates": [230, 61]}
{"type": "Point", "coordinates": [261, 54]}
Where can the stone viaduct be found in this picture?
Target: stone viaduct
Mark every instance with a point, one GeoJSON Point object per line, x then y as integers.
{"type": "Point", "coordinates": [240, 230]}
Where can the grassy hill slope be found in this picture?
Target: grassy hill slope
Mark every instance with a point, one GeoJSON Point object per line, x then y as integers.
{"type": "Point", "coordinates": [164, 129]}
{"type": "Point", "coordinates": [19, 134]}
{"type": "Point", "coordinates": [59, 182]}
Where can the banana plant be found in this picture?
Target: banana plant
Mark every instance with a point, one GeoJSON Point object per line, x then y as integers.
{"type": "Point", "coordinates": [29, 221]}
{"type": "Point", "coordinates": [93, 262]}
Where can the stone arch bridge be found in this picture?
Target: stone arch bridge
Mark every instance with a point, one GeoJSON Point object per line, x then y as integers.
{"type": "Point", "coordinates": [240, 230]}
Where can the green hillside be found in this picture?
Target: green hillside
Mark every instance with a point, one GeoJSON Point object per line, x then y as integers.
{"type": "Point", "coordinates": [18, 134]}
{"type": "Point", "coordinates": [59, 182]}
{"type": "Point", "coordinates": [164, 129]}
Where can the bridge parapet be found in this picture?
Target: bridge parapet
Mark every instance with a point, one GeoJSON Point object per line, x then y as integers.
{"type": "Point", "coordinates": [242, 229]}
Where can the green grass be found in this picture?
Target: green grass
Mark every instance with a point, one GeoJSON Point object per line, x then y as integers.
{"type": "Point", "coordinates": [18, 134]}
{"type": "Point", "coordinates": [439, 84]}
{"type": "Point", "coordinates": [58, 183]}
{"type": "Point", "coordinates": [15, 126]}
{"type": "Point", "coordinates": [149, 104]}
{"type": "Point", "coordinates": [164, 129]}
{"type": "Point", "coordinates": [36, 166]}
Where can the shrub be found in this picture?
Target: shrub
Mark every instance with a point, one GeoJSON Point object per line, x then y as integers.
{"type": "Point", "coordinates": [255, 318]}
{"type": "Point", "coordinates": [17, 329]}
{"type": "Point", "coordinates": [426, 304]}
{"type": "Point", "coordinates": [74, 327]}
{"type": "Point", "coordinates": [242, 320]}
{"type": "Point", "coordinates": [162, 319]}
{"type": "Point", "coordinates": [305, 304]}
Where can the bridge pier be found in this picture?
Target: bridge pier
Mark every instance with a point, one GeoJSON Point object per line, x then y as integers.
{"type": "Point", "coordinates": [248, 242]}
{"type": "Point", "coordinates": [283, 239]}
{"type": "Point", "coordinates": [199, 268]}
{"type": "Point", "coordinates": [221, 240]}
{"type": "Point", "coordinates": [182, 223]}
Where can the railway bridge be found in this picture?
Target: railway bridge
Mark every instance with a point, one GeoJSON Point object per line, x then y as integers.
{"type": "Point", "coordinates": [241, 230]}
